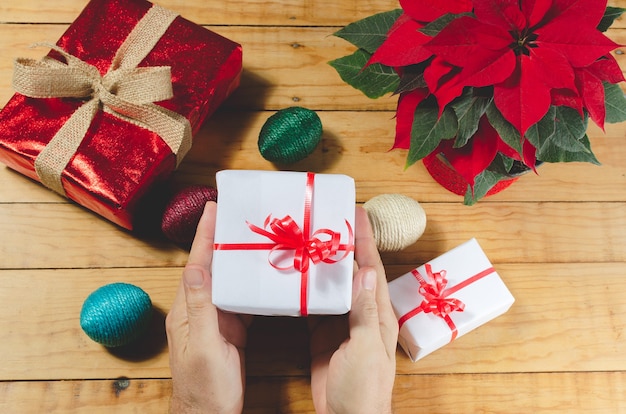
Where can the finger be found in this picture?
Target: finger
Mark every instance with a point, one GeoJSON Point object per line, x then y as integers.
{"type": "Point", "coordinates": [176, 319]}
{"type": "Point", "coordinates": [388, 322]}
{"type": "Point", "coordinates": [365, 251]}
{"type": "Point", "coordinates": [202, 316]}
{"type": "Point", "coordinates": [364, 321]}
{"type": "Point", "coordinates": [366, 255]}
{"type": "Point", "coordinates": [202, 248]}
{"type": "Point", "coordinates": [319, 375]}
{"type": "Point", "coordinates": [201, 313]}
{"type": "Point", "coordinates": [192, 309]}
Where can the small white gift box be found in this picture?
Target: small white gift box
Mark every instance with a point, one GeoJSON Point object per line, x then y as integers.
{"type": "Point", "coordinates": [284, 243]}
{"type": "Point", "coordinates": [446, 298]}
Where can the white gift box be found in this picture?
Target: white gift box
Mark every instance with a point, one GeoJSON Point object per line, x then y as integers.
{"type": "Point", "coordinates": [283, 243]}
{"type": "Point", "coordinates": [446, 298]}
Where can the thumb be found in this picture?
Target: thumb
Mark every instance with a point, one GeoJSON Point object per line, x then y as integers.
{"type": "Point", "coordinates": [364, 314]}
{"type": "Point", "coordinates": [201, 313]}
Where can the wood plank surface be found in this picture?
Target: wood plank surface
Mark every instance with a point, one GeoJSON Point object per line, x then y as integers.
{"type": "Point", "coordinates": [558, 239]}
{"type": "Point", "coordinates": [585, 232]}
{"type": "Point", "coordinates": [283, 66]}
{"type": "Point", "coordinates": [229, 140]}
{"type": "Point", "coordinates": [44, 340]}
{"type": "Point", "coordinates": [249, 12]}
{"type": "Point", "coordinates": [591, 392]}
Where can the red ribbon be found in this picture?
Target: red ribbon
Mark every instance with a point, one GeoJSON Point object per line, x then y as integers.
{"type": "Point", "coordinates": [436, 296]}
{"type": "Point", "coordinates": [285, 234]}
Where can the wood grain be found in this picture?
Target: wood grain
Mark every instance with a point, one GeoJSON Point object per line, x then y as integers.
{"type": "Point", "coordinates": [283, 66]}
{"type": "Point", "coordinates": [229, 140]}
{"type": "Point", "coordinates": [591, 232]}
{"type": "Point", "coordinates": [42, 308]}
{"type": "Point", "coordinates": [593, 392]}
{"type": "Point", "coordinates": [250, 12]}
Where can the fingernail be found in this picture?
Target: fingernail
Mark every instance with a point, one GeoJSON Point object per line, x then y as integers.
{"type": "Point", "coordinates": [369, 280]}
{"type": "Point", "coordinates": [193, 278]}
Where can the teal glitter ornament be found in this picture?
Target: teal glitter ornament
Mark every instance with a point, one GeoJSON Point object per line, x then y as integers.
{"type": "Point", "coordinates": [116, 314]}
{"type": "Point", "coordinates": [290, 135]}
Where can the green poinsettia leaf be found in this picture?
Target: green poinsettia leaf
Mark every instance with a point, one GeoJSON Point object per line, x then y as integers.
{"type": "Point", "coordinates": [409, 82]}
{"type": "Point", "coordinates": [412, 78]}
{"type": "Point", "coordinates": [508, 133]}
{"type": "Point", "coordinates": [429, 129]}
{"type": "Point", "coordinates": [541, 132]}
{"type": "Point", "coordinates": [610, 14]}
{"type": "Point", "coordinates": [508, 162]}
{"type": "Point", "coordinates": [469, 109]}
{"type": "Point", "coordinates": [569, 128]}
{"type": "Point", "coordinates": [501, 164]}
{"type": "Point", "coordinates": [615, 103]}
{"type": "Point", "coordinates": [560, 136]}
{"type": "Point", "coordinates": [374, 81]}
{"type": "Point", "coordinates": [482, 184]}
{"type": "Point", "coordinates": [369, 33]}
{"type": "Point", "coordinates": [553, 153]}
{"type": "Point", "coordinates": [433, 28]}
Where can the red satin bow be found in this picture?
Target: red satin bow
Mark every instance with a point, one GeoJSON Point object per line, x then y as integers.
{"type": "Point", "coordinates": [287, 235]}
{"type": "Point", "coordinates": [436, 296]}
{"type": "Point", "coordinates": [435, 300]}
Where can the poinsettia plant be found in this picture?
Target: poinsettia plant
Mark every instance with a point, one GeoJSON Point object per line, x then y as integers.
{"type": "Point", "coordinates": [488, 84]}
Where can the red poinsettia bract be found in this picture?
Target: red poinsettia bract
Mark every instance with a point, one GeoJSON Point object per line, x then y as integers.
{"type": "Point", "coordinates": [474, 157]}
{"type": "Point", "coordinates": [533, 53]}
{"type": "Point", "coordinates": [430, 10]}
{"type": "Point", "coordinates": [525, 49]}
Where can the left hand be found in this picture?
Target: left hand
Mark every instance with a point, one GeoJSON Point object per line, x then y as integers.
{"type": "Point", "coordinates": [206, 345]}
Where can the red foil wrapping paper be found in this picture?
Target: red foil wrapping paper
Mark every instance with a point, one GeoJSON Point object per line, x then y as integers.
{"type": "Point", "coordinates": [117, 162]}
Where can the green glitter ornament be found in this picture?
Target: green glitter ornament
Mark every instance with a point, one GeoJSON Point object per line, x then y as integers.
{"type": "Point", "coordinates": [290, 135]}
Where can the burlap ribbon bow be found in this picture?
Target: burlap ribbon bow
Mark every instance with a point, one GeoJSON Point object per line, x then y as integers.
{"type": "Point", "coordinates": [125, 91]}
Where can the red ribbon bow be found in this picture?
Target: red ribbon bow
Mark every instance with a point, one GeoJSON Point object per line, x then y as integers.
{"type": "Point", "coordinates": [287, 235]}
{"type": "Point", "coordinates": [436, 296]}
{"type": "Point", "coordinates": [434, 300]}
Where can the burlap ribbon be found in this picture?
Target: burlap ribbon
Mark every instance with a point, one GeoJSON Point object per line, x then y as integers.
{"type": "Point", "coordinates": [125, 91]}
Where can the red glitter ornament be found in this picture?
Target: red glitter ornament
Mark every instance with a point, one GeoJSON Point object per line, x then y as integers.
{"type": "Point", "coordinates": [182, 214]}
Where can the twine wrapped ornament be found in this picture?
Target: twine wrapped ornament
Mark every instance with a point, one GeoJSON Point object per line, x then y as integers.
{"type": "Point", "coordinates": [397, 221]}
{"type": "Point", "coordinates": [116, 314]}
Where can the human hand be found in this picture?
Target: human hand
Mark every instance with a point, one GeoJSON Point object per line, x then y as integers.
{"type": "Point", "coordinates": [206, 345]}
{"type": "Point", "coordinates": [353, 360]}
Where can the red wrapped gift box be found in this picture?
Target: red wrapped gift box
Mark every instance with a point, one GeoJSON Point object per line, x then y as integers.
{"type": "Point", "coordinates": [118, 158]}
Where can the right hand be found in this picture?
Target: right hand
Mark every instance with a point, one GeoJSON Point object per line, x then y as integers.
{"type": "Point", "coordinates": [357, 376]}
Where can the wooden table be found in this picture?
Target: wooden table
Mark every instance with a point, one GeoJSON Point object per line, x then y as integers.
{"type": "Point", "coordinates": [558, 240]}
